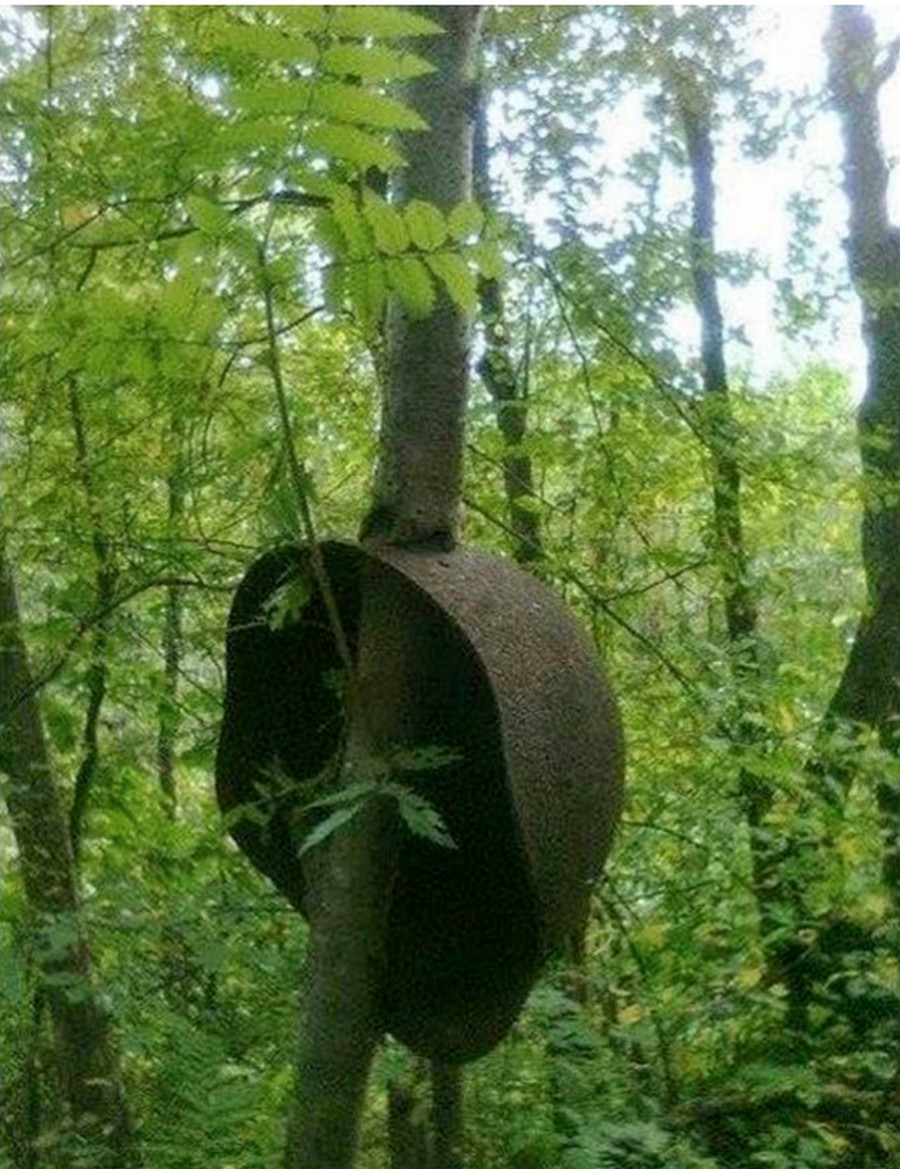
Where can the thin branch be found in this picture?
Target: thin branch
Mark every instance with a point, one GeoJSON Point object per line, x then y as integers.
{"type": "Point", "coordinates": [272, 198]}
{"type": "Point", "coordinates": [675, 398]}
{"type": "Point", "coordinates": [89, 620]}
{"type": "Point", "coordinates": [299, 474]}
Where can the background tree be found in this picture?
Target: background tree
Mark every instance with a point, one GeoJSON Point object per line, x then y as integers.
{"type": "Point", "coordinates": [868, 696]}
{"type": "Point", "coordinates": [86, 1062]}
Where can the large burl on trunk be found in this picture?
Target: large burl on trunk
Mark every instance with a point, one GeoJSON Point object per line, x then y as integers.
{"type": "Point", "coordinates": [496, 671]}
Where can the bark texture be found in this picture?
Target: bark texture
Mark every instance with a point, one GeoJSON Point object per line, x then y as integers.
{"type": "Point", "coordinates": [349, 881]}
{"type": "Point", "coordinates": [416, 501]}
{"type": "Point", "coordinates": [419, 478]}
{"type": "Point", "coordinates": [868, 694]}
{"type": "Point", "coordinates": [90, 1078]}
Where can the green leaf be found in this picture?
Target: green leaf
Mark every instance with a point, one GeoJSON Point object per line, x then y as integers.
{"type": "Point", "coordinates": [350, 103]}
{"type": "Point", "coordinates": [273, 96]}
{"type": "Point", "coordinates": [465, 220]}
{"type": "Point", "coordinates": [427, 226]}
{"type": "Point", "coordinates": [368, 292]}
{"type": "Point", "coordinates": [328, 827]}
{"type": "Point", "coordinates": [247, 133]}
{"type": "Point", "coordinates": [335, 281]}
{"type": "Point", "coordinates": [353, 227]}
{"type": "Point", "coordinates": [458, 278]}
{"type": "Point", "coordinates": [352, 145]}
{"type": "Point", "coordinates": [489, 259]}
{"type": "Point", "coordinates": [316, 183]}
{"type": "Point", "coordinates": [391, 236]}
{"type": "Point", "coordinates": [373, 62]}
{"type": "Point", "coordinates": [409, 278]}
{"type": "Point", "coordinates": [356, 792]}
{"type": "Point", "coordinates": [423, 758]}
{"type": "Point", "coordinates": [380, 21]}
{"type": "Point", "coordinates": [262, 41]}
{"type": "Point", "coordinates": [285, 605]}
{"type": "Point", "coordinates": [309, 17]}
{"type": "Point", "coordinates": [209, 217]}
{"type": "Point", "coordinates": [420, 816]}
{"type": "Point", "coordinates": [242, 241]}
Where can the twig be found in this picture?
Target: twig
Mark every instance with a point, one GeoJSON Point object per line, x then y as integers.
{"type": "Point", "coordinates": [298, 473]}
{"type": "Point", "coordinates": [89, 621]}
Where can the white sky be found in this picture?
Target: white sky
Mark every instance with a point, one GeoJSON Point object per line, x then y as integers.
{"type": "Point", "coordinates": [791, 45]}
{"type": "Point", "coordinates": [753, 197]}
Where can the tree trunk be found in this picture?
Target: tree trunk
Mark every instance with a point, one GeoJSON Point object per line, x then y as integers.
{"type": "Point", "coordinates": [416, 501]}
{"type": "Point", "coordinates": [868, 694]}
{"type": "Point", "coordinates": [447, 1116]}
{"type": "Point", "coordinates": [105, 576]}
{"type": "Point", "coordinates": [167, 712]}
{"type": "Point", "coordinates": [499, 374]}
{"type": "Point", "coordinates": [407, 1132]}
{"type": "Point", "coordinates": [419, 479]}
{"type": "Point", "coordinates": [90, 1078]}
{"type": "Point", "coordinates": [720, 432]}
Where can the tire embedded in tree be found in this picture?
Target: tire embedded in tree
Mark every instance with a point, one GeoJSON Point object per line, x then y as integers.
{"type": "Point", "coordinates": [498, 675]}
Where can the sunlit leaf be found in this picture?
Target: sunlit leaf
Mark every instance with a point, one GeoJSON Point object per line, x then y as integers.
{"type": "Point", "coordinates": [380, 21]}
{"type": "Point", "coordinates": [457, 277]}
{"type": "Point", "coordinates": [368, 291]}
{"type": "Point", "coordinates": [391, 235]}
{"type": "Point", "coordinates": [354, 229]}
{"type": "Point", "coordinates": [352, 145]}
{"type": "Point", "coordinates": [426, 225]}
{"type": "Point", "coordinates": [209, 216]}
{"type": "Point", "coordinates": [372, 62]}
{"type": "Point", "coordinates": [253, 39]}
{"type": "Point", "coordinates": [465, 220]}
{"type": "Point", "coordinates": [365, 107]}
{"type": "Point", "coordinates": [408, 277]}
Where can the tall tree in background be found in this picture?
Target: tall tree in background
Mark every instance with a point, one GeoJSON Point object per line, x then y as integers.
{"type": "Point", "coordinates": [86, 1062]}
{"type": "Point", "coordinates": [868, 695]}
{"type": "Point", "coordinates": [503, 382]}
{"type": "Point", "coordinates": [719, 429]}
{"type": "Point", "coordinates": [173, 628]}
{"type": "Point", "coordinates": [416, 502]}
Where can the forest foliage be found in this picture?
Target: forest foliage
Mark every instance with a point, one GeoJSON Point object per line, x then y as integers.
{"type": "Point", "coordinates": [196, 197]}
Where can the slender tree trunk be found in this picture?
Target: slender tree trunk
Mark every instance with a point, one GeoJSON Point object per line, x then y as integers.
{"type": "Point", "coordinates": [416, 501]}
{"type": "Point", "coordinates": [447, 1116]}
{"type": "Point", "coordinates": [168, 712]}
{"type": "Point", "coordinates": [499, 374]}
{"type": "Point", "coordinates": [741, 620]}
{"type": "Point", "coordinates": [105, 577]}
{"type": "Point", "coordinates": [407, 1132]}
{"type": "Point", "coordinates": [868, 694]}
{"type": "Point", "coordinates": [90, 1078]}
